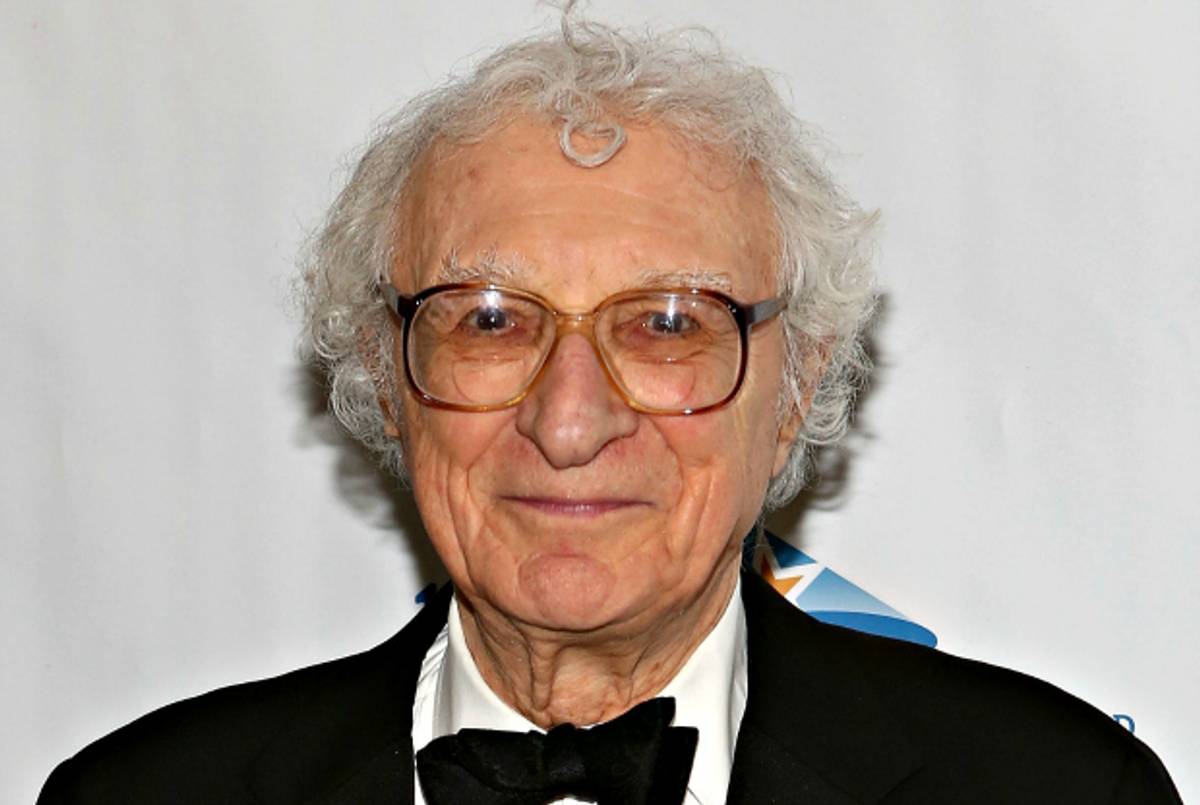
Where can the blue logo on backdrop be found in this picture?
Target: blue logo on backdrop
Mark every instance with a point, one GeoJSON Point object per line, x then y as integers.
{"type": "Point", "coordinates": [828, 596]}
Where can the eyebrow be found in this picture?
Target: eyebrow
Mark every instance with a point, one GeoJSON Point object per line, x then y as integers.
{"type": "Point", "coordinates": [513, 270]}
{"type": "Point", "coordinates": [489, 267]}
{"type": "Point", "coordinates": [690, 278]}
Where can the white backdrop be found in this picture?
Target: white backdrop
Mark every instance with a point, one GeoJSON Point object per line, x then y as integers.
{"type": "Point", "coordinates": [176, 514]}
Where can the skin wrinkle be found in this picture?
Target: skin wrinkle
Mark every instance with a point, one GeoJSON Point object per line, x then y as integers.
{"type": "Point", "coordinates": [575, 619]}
{"type": "Point", "coordinates": [542, 662]}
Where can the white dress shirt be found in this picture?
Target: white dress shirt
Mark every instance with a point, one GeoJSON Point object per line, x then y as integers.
{"type": "Point", "coordinates": [709, 692]}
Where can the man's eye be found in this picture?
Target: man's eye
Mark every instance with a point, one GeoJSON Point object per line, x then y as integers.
{"type": "Point", "coordinates": [487, 320]}
{"type": "Point", "coordinates": [670, 324]}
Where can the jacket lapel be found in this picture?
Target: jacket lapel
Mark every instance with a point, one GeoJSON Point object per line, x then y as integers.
{"type": "Point", "coordinates": [814, 729]}
{"type": "Point", "coordinates": [352, 741]}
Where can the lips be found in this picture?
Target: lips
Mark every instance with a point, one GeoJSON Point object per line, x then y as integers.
{"type": "Point", "coordinates": [575, 506]}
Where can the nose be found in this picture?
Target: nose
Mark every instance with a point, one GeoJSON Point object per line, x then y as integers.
{"type": "Point", "coordinates": [573, 411]}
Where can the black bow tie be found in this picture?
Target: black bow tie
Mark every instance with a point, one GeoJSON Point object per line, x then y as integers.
{"type": "Point", "coordinates": [635, 758]}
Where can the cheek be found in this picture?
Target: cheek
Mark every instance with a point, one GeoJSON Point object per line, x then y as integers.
{"type": "Point", "coordinates": [728, 455]}
{"type": "Point", "coordinates": [438, 440]}
{"type": "Point", "coordinates": [722, 473]}
{"type": "Point", "coordinates": [443, 448]}
{"type": "Point", "coordinates": [722, 448]}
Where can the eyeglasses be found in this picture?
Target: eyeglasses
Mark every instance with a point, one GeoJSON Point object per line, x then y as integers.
{"type": "Point", "coordinates": [482, 347]}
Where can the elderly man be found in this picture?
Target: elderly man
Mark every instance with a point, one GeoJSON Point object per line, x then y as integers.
{"type": "Point", "coordinates": [595, 301]}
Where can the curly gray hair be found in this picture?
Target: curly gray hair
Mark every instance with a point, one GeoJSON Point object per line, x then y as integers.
{"type": "Point", "coordinates": [589, 78]}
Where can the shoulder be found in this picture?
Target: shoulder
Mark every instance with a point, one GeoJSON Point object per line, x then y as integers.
{"type": "Point", "coordinates": [198, 749]}
{"type": "Point", "coordinates": [975, 722]}
{"type": "Point", "coordinates": [201, 741]}
{"type": "Point", "coordinates": [973, 725]}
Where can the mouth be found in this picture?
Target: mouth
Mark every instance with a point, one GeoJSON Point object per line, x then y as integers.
{"type": "Point", "coordinates": [575, 507]}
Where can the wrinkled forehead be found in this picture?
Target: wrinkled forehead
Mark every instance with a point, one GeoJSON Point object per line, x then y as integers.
{"type": "Point", "coordinates": [511, 208]}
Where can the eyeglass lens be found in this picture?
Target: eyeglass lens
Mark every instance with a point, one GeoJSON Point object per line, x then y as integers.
{"type": "Point", "coordinates": [484, 346]}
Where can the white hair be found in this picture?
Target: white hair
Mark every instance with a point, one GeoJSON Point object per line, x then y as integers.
{"type": "Point", "coordinates": [590, 79]}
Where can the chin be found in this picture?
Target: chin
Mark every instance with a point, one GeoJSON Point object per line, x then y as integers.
{"type": "Point", "coordinates": [571, 592]}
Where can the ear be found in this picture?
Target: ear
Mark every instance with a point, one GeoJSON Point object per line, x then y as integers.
{"type": "Point", "coordinates": [390, 424]}
{"type": "Point", "coordinates": [787, 436]}
{"type": "Point", "coordinates": [367, 347]}
{"type": "Point", "coordinates": [816, 361]}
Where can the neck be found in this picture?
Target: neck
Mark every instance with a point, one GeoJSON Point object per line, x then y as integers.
{"type": "Point", "coordinates": [586, 678]}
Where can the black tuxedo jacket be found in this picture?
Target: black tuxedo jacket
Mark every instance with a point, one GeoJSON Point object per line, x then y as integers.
{"type": "Point", "coordinates": [833, 717]}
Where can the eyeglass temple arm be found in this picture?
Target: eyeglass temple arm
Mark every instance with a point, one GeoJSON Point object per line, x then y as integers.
{"type": "Point", "coordinates": [764, 310]}
{"type": "Point", "coordinates": [402, 306]}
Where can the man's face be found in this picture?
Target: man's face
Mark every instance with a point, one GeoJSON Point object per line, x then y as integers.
{"type": "Point", "coordinates": [571, 511]}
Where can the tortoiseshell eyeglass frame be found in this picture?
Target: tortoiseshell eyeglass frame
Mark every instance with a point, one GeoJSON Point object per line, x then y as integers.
{"type": "Point", "coordinates": [746, 316]}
